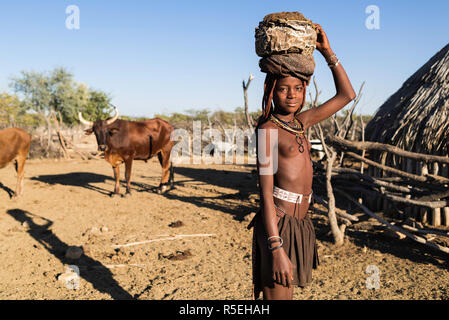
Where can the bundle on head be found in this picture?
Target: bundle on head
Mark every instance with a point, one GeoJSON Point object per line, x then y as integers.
{"type": "Point", "coordinates": [285, 41]}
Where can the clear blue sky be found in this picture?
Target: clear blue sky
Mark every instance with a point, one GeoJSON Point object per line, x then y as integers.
{"type": "Point", "coordinates": [170, 56]}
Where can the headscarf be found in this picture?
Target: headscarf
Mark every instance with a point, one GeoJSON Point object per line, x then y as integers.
{"type": "Point", "coordinates": [291, 64]}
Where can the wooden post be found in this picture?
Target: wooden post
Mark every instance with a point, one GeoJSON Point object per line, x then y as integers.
{"type": "Point", "coordinates": [410, 165]}
{"type": "Point", "coordinates": [445, 173]}
{"type": "Point", "coordinates": [436, 217]}
{"type": "Point", "coordinates": [445, 216]}
{"type": "Point", "coordinates": [423, 211]}
{"type": "Point", "coordinates": [402, 164]}
{"type": "Point", "coordinates": [363, 152]}
{"type": "Point", "coordinates": [372, 171]}
{"type": "Point", "coordinates": [337, 232]}
{"type": "Point", "coordinates": [436, 213]}
{"type": "Point", "coordinates": [380, 200]}
{"type": "Point", "coordinates": [423, 214]}
{"type": "Point", "coordinates": [416, 210]}
{"type": "Point", "coordinates": [385, 161]}
{"type": "Point", "coordinates": [369, 201]}
{"type": "Point", "coordinates": [409, 169]}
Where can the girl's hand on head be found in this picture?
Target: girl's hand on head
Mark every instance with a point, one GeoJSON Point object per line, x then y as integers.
{"type": "Point", "coordinates": [322, 43]}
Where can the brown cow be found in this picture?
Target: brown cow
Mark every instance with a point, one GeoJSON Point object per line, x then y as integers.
{"type": "Point", "coordinates": [125, 141]}
{"type": "Point", "coordinates": [14, 146]}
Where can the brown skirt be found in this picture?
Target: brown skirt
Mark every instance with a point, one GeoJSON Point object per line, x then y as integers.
{"type": "Point", "coordinates": [299, 245]}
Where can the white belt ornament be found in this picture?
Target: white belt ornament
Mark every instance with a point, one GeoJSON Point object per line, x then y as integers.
{"type": "Point", "coordinates": [289, 196]}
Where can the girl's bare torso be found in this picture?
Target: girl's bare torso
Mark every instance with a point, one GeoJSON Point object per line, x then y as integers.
{"type": "Point", "coordinates": [294, 172]}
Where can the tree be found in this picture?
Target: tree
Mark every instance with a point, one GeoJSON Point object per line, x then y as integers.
{"type": "Point", "coordinates": [55, 95]}
{"type": "Point", "coordinates": [9, 109]}
{"type": "Point", "coordinates": [45, 94]}
{"type": "Point", "coordinates": [98, 106]}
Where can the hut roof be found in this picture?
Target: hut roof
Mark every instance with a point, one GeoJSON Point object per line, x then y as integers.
{"type": "Point", "coordinates": [416, 117]}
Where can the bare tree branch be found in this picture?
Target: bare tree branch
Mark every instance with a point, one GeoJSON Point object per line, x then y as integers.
{"type": "Point", "coordinates": [249, 119]}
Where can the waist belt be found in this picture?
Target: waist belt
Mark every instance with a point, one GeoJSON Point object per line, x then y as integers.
{"type": "Point", "coordinates": [283, 195]}
{"type": "Point", "coordinates": [289, 196]}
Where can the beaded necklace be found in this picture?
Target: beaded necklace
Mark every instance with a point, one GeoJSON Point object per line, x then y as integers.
{"type": "Point", "coordinates": [297, 129]}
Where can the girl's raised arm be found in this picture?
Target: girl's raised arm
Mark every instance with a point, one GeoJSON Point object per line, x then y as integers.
{"type": "Point", "coordinates": [345, 92]}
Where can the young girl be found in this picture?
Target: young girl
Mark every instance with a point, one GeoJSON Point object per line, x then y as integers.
{"type": "Point", "coordinates": [284, 248]}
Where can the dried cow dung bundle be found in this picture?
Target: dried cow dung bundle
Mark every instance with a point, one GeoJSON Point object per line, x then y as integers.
{"type": "Point", "coordinates": [286, 42]}
{"type": "Point", "coordinates": [285, 32]}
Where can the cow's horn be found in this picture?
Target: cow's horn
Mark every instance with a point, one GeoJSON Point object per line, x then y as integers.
{"type": "Point", "coordinates": [83, 121]}
{"type": "Point", "coordinates": [113, 118]}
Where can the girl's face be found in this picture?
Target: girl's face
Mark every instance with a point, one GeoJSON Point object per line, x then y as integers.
{"type": "Point", "coordinates": [288, 95]}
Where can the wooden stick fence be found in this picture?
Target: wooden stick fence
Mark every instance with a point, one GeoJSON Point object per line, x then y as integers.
{"type": "Point", "coordinates": [424, 191]}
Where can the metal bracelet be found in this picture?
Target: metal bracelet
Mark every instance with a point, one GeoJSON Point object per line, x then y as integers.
{"type": "Point", "coordinates": [331, 58]}
{"type": "Point", "coordinates": [274, 248]}
{"type": "Point", "coordinates": [332, 65]}
{"type": "Point", "coordinates": [277, 239]}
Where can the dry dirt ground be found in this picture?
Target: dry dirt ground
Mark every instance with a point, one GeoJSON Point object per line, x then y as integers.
{"type": "Point", "coordinates": [67, 203]}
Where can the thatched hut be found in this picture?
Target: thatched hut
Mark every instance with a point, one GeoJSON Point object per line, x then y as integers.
{"type": "Point", "coordinates": [416, 118]}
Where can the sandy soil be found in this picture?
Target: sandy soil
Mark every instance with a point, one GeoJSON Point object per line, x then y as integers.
{"type": "Point", "coordinates": [67, 203]}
